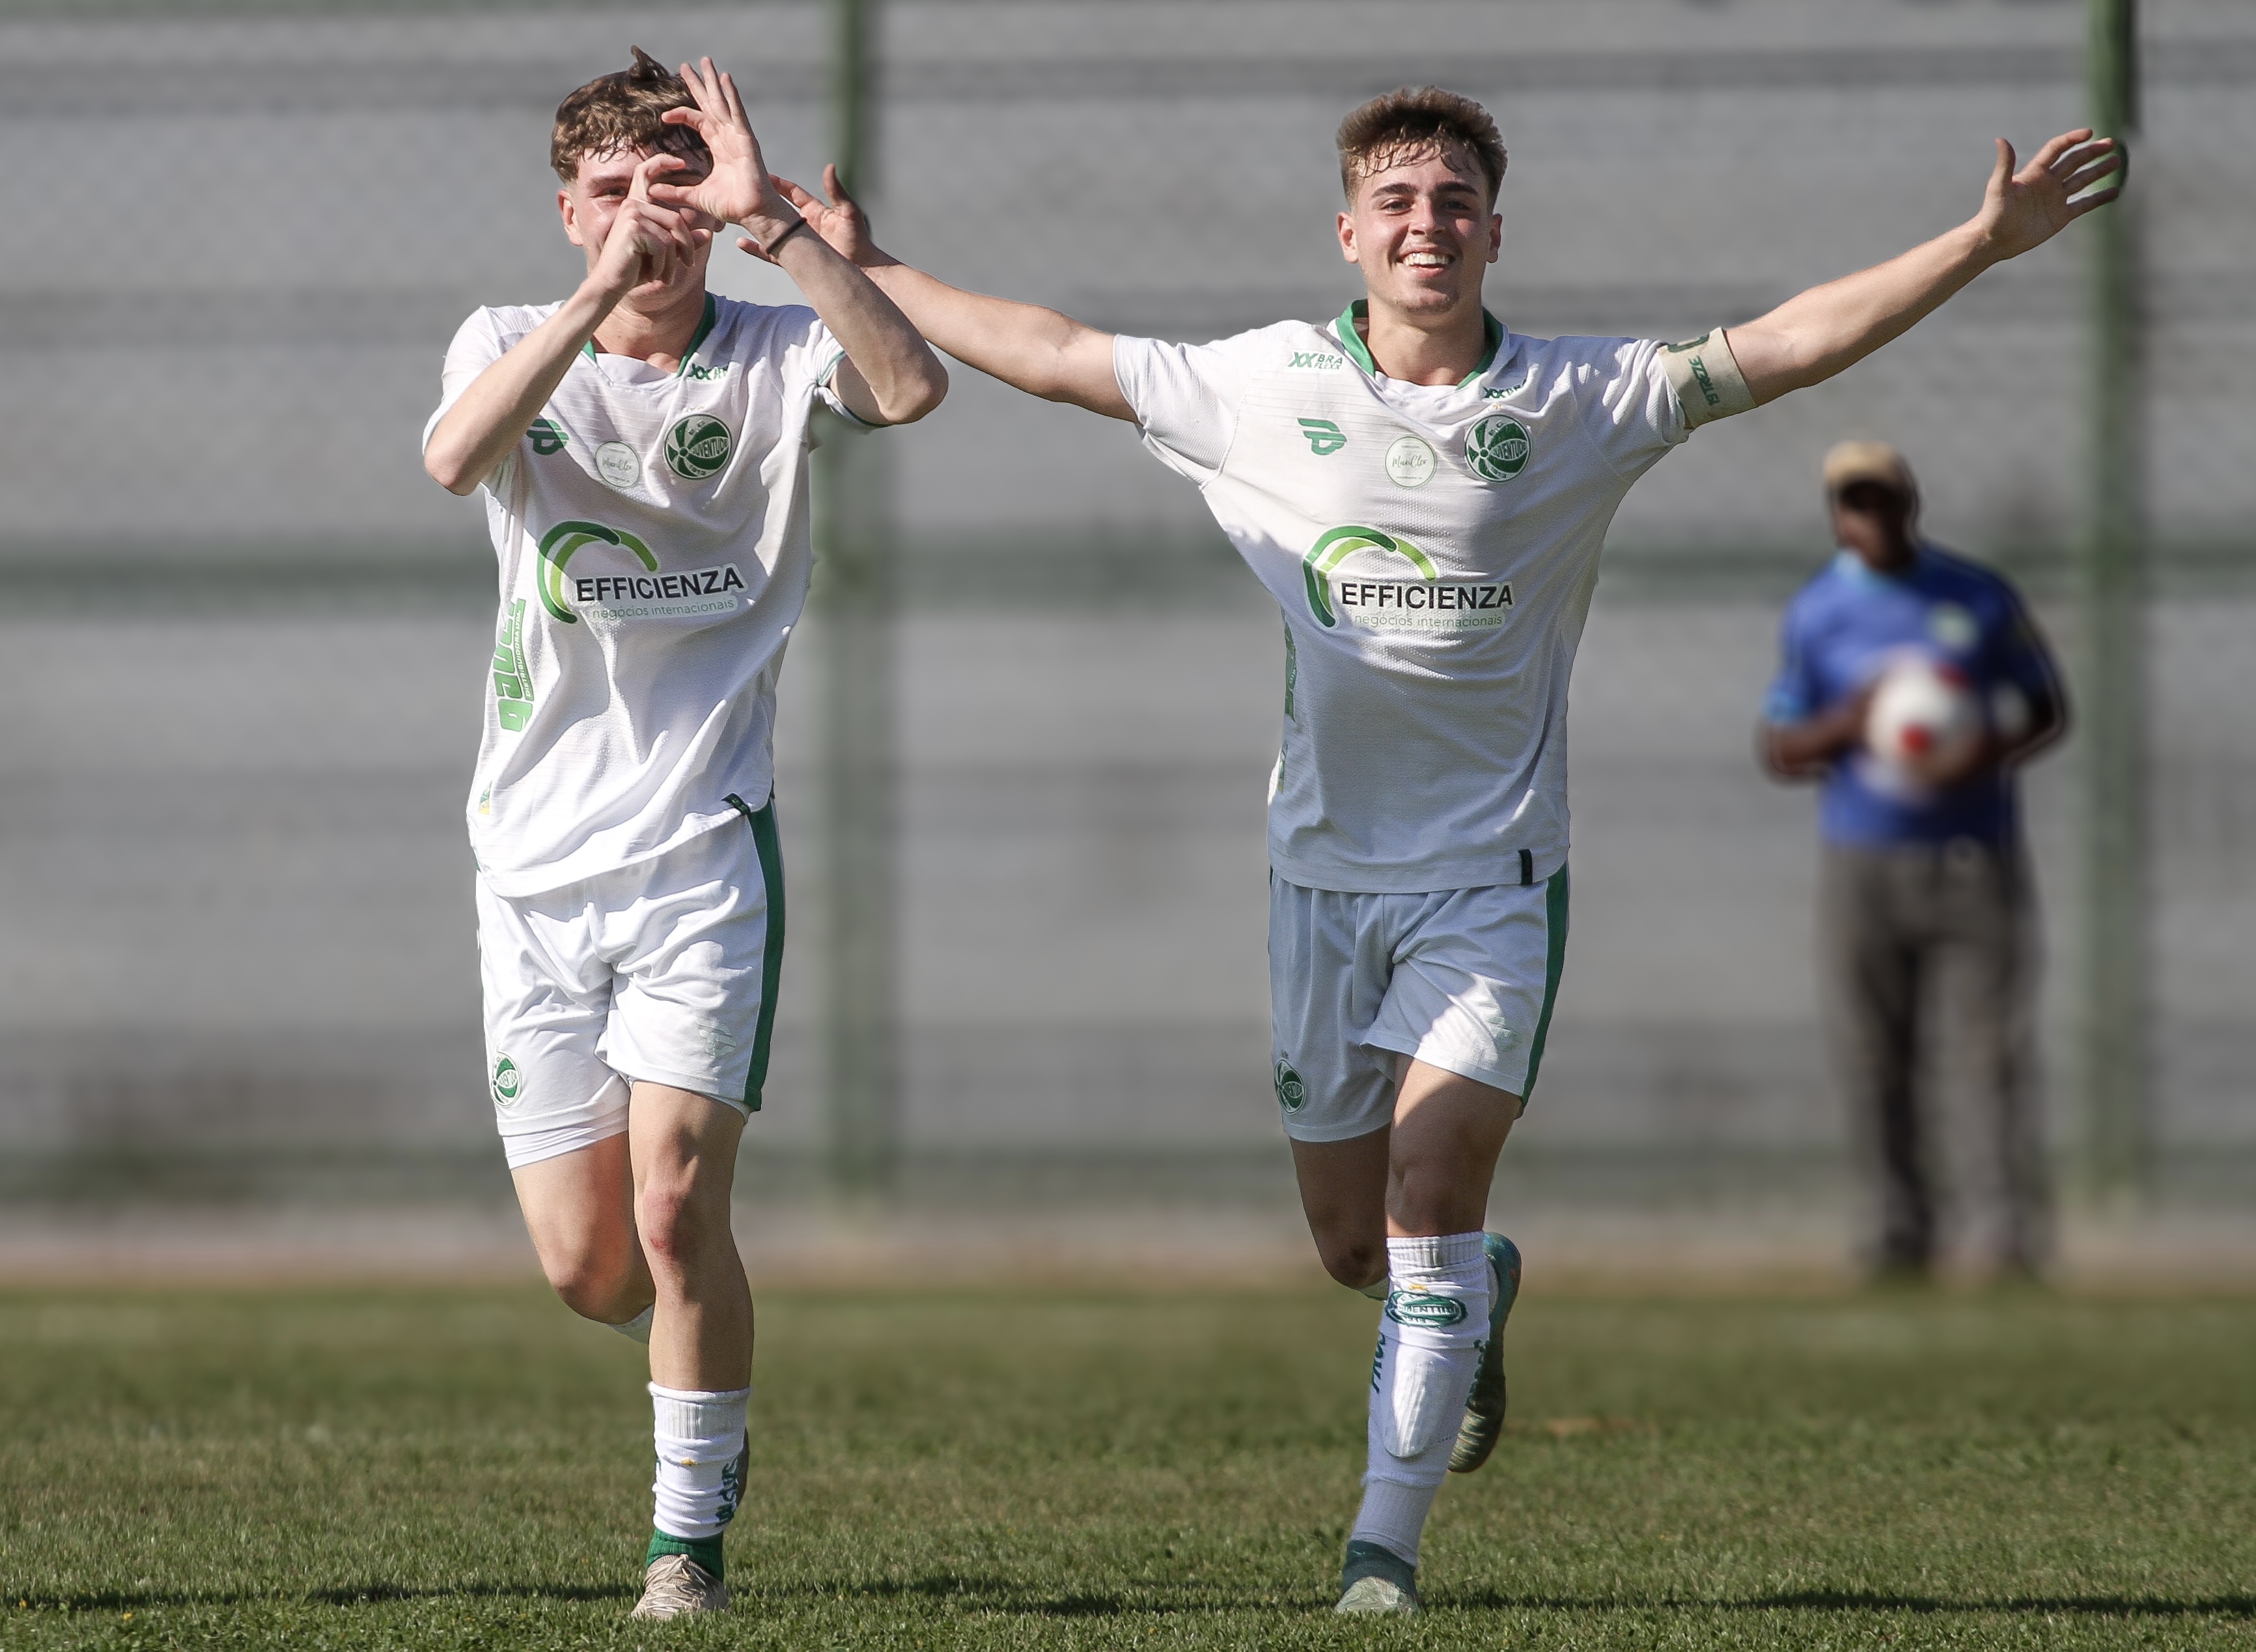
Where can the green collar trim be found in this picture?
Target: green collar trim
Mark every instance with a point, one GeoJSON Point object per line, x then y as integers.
{"type": "Point", "coordinates": [705, 328]}
{"type": "Point", "coordinates": [1350, 337]}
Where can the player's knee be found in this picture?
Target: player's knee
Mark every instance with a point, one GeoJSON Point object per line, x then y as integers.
{"type": "Point", "coordinates": [675, 1224]}
{"type": "Point", "coordinates": [1354, 1262]}
{"type": "Point", "coordinates": [593, 1284]}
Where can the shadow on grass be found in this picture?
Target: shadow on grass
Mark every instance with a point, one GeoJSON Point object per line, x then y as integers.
{"type": "Point", "coordinates": [1004, 1595]}
{"type": "Point", "coordinates": [346, 1595]}
{"type": "Point", "coordinates": [2232, 1606]}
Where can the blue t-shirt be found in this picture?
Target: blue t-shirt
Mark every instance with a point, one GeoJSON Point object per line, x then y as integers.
{"type": "Point", "coordinates": [1847, 625]}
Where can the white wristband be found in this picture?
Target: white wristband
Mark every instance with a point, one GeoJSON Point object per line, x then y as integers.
{"type": "Point", "coordinates": [1707, 380]}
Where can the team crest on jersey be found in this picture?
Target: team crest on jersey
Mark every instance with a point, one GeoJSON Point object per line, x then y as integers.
{"type": "Point", "coordinates": [1427, 602]}
{"type": "Point", "coordinates": [697, 447]}
{"type": "Point", "coordinates": [1496, 449]}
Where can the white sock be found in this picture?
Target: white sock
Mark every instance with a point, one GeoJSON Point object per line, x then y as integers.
{"type": "Point", "coordinates": [700, 1437]}
{"type": "Point", "coordinates": [1429, 1339]}
{"type": "Point", "coordinates": [638, 1328]}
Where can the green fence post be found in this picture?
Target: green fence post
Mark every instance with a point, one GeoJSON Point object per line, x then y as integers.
{"type": "Point", "coordinates": [854, 590]}
{"type": "Point", "coordinates": [2114, 991]}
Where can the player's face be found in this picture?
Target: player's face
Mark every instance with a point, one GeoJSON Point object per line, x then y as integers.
{"type": "Point", "coordinates": [1874, 521]}
{"type": "Point", "coordinates": [594, 198]}
{"type": "Point", "coordinates": [1422, 230]}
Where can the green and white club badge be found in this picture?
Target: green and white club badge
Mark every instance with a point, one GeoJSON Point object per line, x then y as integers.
{"type": "Point", "coordinates": [1496, 449]}
{"type": "Point", "coordinates": [697, 447]}
{"type": "Point", "coordinates": [507, 1082]}
{"type": "Point", "coordinates": [1291, 1091]}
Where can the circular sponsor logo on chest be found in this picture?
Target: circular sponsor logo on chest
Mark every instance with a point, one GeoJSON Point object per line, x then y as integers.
{"type": "Point", "coordinates": [1496, 449]}
{"type": "Point", "coordinates": [697, 447]}
{"type": "Point", "coordinates": [616, 463]}
{"type": "Point", "coordinates": [1410, 461]}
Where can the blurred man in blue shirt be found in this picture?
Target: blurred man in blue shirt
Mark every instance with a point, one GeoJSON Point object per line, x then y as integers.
{"type": "Point", "coordinates": [1927, 910]}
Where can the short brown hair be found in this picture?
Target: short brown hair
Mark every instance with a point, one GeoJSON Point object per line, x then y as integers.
{"type": "Point", "coordinates": [621, 112]}
{"type": "Point", "coordinates": [1407, 123]}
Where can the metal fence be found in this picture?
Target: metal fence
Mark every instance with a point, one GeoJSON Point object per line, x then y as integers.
{"type": "Point", "coordinates": [241, 635]}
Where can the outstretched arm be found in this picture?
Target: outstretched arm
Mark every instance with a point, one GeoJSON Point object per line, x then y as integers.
{"type": "Point", "coordinates": [889, 377]}
{"type": "Point", "coordinates": [1038, 351]}
{"type": "Point", "coordinates": [1815, 334]}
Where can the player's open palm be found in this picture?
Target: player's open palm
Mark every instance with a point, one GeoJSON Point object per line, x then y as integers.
{"type": "Point", "coordinates": [739, 189]}
{"type": "Point", "coordinates": [2026, 209]}
{"type": "Point", "coordinates": [839, 221]}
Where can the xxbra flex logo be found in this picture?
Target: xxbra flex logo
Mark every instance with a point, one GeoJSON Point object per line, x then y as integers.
{"type": "Point", "coordinates": [1367, 598]}
{"type": "Point", "coordinates": [631, 596]}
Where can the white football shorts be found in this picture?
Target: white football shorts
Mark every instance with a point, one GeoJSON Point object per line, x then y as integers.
{"type": "Point", "coordinates": [1462, 979]}
{"type": "Point", "coordinates": [665, 970]}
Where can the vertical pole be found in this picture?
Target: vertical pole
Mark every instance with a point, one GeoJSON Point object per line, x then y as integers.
{"type": "Point", "coordinates": [2114, 1001]}
{"type": "Point", "coordinates": [854, 588]}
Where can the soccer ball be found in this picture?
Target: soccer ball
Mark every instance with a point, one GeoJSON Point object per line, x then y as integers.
{"type": "Point", "coordinates": [1924, 712]}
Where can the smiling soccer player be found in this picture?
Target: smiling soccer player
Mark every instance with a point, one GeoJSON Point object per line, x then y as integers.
{"type": "Point", "coordinates": [1425, 493]}
{"type": "Point", "coordinates": [642, 447]}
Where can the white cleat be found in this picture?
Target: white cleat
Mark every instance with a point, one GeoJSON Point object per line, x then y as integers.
{"type": "Point", "coordinates": [676, 1586]}
{"type": "Point", "coordinates": [1377, 1583]}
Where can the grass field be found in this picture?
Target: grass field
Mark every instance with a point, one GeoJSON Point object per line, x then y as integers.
{"type": "Point", "coordinates": [1040, 1469]}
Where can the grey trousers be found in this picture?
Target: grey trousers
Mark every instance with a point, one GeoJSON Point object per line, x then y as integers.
{"type": "Point", "coordinates": [1928, 953]}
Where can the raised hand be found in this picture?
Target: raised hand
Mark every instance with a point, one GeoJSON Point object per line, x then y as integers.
{"type": "Point", "coordinates": [839, 220]}
{"type": "Point", "coordinates": [738, 190]}
{"type": "Point", "coordinates": [2026, 209]}
{"type": "Point", "coordinates": [644, 243]}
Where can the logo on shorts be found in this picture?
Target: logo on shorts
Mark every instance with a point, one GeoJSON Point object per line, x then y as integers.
{"type": "Point", "coordinates": [1496, 448]}
{"type": "Point", "coordinates": [1415, 1308]}
{"type": "Point", "coordinates": [1291, 1093]}
{"type": "Point", "coordinates": [697, 448]}
{"type": "Point", "coordinates": [508, 1082]}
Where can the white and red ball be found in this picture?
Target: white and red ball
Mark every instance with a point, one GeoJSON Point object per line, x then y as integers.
{"type": "Point", "coordinates": [1924, 712]}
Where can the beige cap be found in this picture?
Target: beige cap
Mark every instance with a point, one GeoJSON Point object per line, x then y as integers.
{"type": "Point", "coordinates": [1868, 461]}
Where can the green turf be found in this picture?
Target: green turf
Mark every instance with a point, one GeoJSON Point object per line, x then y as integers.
{"type": "Point", "coordinates": [1038, 1470]}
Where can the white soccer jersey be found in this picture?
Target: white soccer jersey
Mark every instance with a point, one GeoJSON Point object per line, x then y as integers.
{"type": "Point", "coordinates": [653, 529]}
{"type": "Point", "coordinates": [1434, 549]}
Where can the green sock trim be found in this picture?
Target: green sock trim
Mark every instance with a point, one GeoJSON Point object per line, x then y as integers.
{"type": "Point", "coordinates": [706, 1551]}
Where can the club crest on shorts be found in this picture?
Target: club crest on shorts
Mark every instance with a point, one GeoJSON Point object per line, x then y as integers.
{"type": "Point", "coordinates": [1291, 1093]}
{"type": "Point", "coordinates": [1415, 1308]}
{"type": "Point", "coordinates": [697, 447]}
{"type": "Point", "coordinates": [1496, 449]}
{"type": "Point", "coordinates": [508, 1082]}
